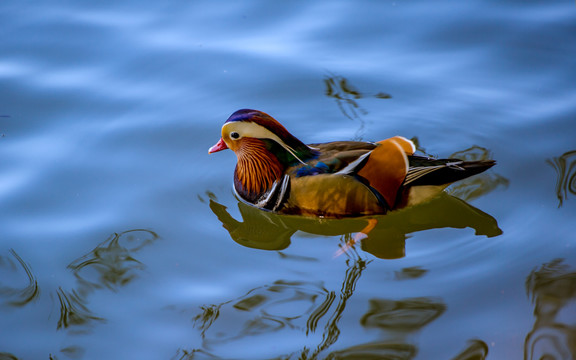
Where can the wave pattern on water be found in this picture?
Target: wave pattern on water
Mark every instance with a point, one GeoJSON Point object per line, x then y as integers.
{"type": "Point", "coordinates": [106, 113]}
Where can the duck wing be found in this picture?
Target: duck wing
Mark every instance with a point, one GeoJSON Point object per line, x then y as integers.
{"type": "Point", "coordinates": [350, 178]}
{"type": "Point", "coordinates": [332, 157]}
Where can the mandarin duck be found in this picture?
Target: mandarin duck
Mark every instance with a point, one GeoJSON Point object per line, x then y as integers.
{"type": "Point", "coordinates": [277, 172]}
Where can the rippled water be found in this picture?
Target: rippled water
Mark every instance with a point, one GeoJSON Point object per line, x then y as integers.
{"type": "Point", "coordinates": [120, 237]}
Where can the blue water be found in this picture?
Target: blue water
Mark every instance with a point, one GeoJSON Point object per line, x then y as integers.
{"type": "Point", "coordinates": [120, 237]}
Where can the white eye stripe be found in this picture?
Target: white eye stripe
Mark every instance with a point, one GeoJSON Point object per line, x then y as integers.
{"type": "Point", "coordinates": [251, 129]}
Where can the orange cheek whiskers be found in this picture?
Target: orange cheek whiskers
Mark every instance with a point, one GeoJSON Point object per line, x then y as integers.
{"type": "Point", "coordinates": [257, 167]}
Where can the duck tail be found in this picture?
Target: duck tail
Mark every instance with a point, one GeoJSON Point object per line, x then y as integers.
{"type": "Point", "coordinates": [428, 171]}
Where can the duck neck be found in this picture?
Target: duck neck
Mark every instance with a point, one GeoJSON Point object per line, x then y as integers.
{"type": "Point", "coordinates": [256, 171]}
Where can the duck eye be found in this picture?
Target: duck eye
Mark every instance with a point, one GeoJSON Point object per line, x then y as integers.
{"type": "Point", "coordinates": [234, 135]}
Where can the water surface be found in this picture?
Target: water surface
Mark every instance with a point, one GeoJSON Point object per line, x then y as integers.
{"type": "Point", "coordinates": [120, 237]}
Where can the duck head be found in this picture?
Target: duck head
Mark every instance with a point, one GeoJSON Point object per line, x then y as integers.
{"type": "Point", "coordinates": [247, 125]}
{"type": "Point", "coordinates": [264, 148]}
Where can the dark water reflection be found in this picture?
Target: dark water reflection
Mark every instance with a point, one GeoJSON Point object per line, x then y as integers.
{"type": "Point", "coordinates": [13, 294]}
{"type": "Point", "coordinates": [304, 306]}
{"type": "Point", "coordinates": [346, 96]}
{"type": "Point", "coordinates": [300, 306]}
{"type": "Point", "coordinates": [110, 265]}
{"type": "Point", "coordinates": [476, 350]}
{"type": "Point", "coordinates": [408, 273]}
{"type": "Point", "coordinates": [552, 288]}
{"type": "Point", "coordinates": [480, 184]}
{"type": "Point", "coordinates": [74, 311]}
{"type": "Point", "coordinates": [270, 308]}
{"type": "Point", "coordinates": [403, 315]}
{"type": "Point", "coordinates": [565, 167]}
{"type": "Point", "coordinates": [7, 356]}
{"type": "Point", "coordinates": [375, 351]}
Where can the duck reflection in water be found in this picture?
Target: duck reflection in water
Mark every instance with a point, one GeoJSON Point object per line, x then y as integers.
{"type": "Point", "coordinates": [269, 231]}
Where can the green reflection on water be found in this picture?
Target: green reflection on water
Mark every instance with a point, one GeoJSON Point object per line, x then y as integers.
{"type": "Point", "coordinates": [476, 350]}
{"type": "Point", "coordinates": [7, 356]}
{"type": "Point", "coordinates": [376, 351]}
{"type": "Point", "coordinates": [402, 315]}
{"type": "Point", "coordinates": [269, 231]}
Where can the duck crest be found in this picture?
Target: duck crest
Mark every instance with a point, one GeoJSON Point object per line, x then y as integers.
{"type": "Point", "coordinates": [256, 171]}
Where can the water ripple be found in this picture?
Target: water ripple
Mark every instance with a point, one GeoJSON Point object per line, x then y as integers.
{"type": "Point", "coordinates": [14, 295]}
{"type": "Point", "coordinates": [552, 288]}
{"type": "Point", "coordinates": [565, 167]}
